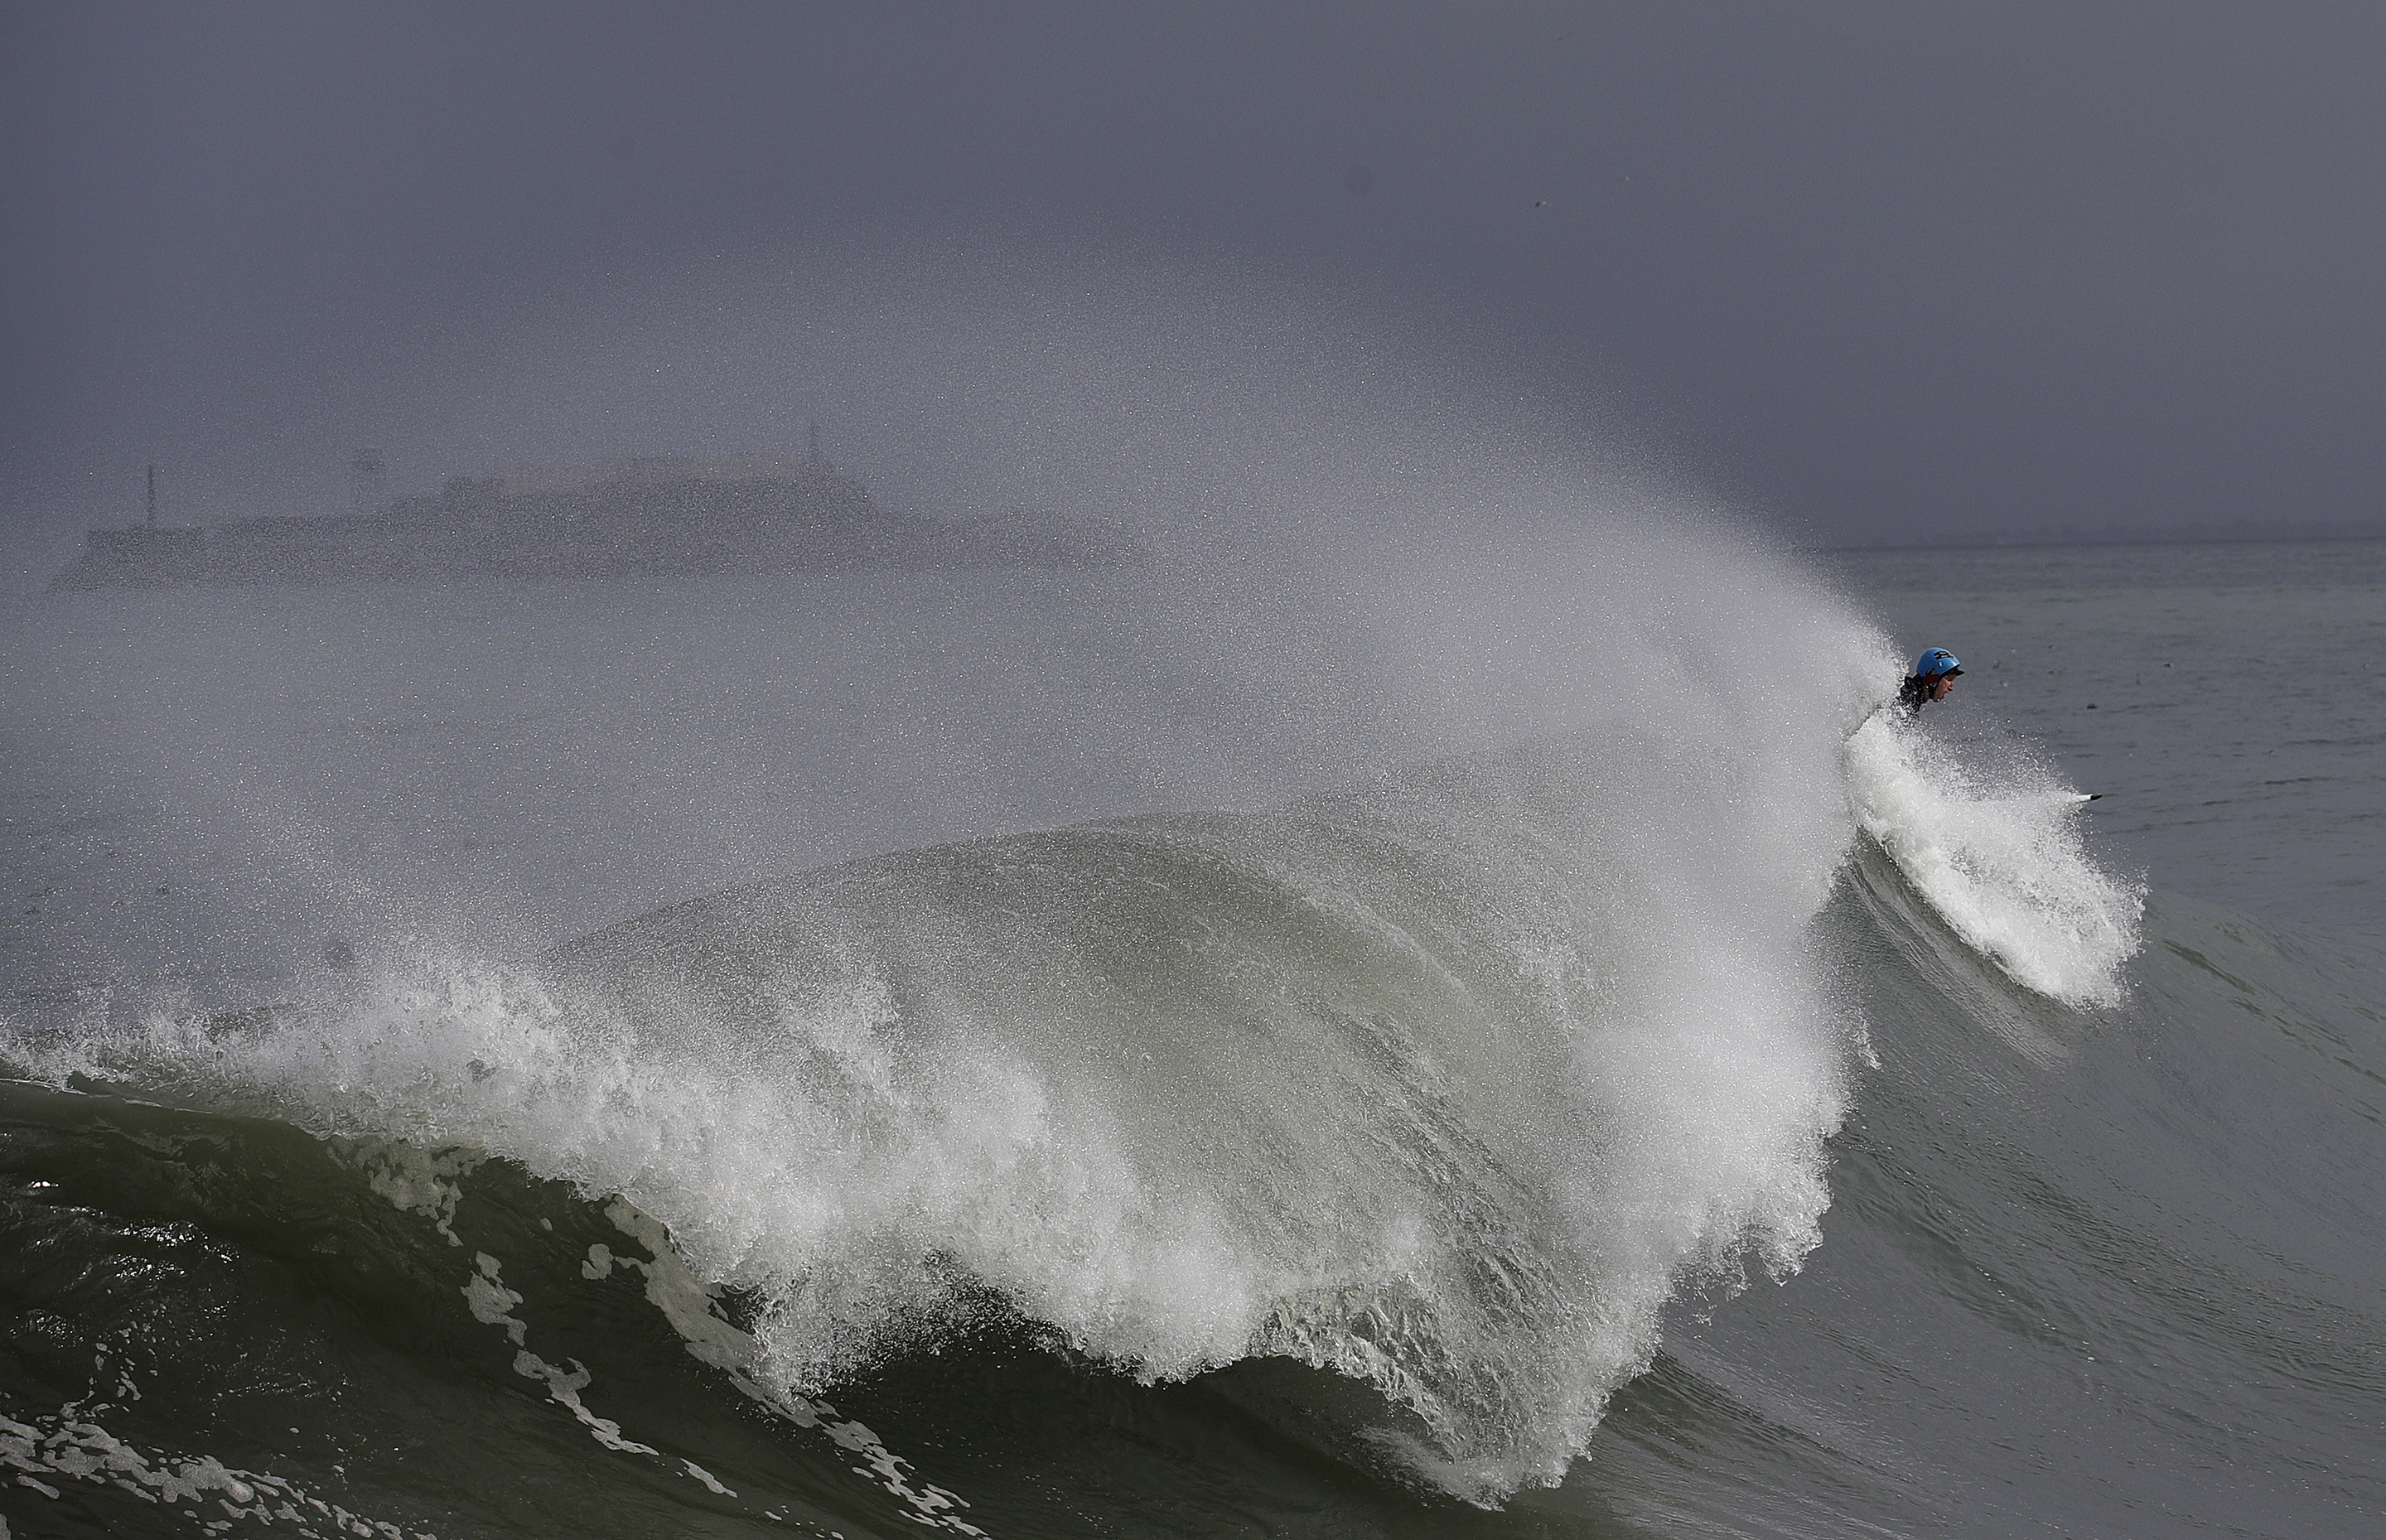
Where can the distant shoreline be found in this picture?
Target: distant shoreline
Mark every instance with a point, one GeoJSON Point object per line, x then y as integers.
{"type": "Point", "coordinates": [2040, 540]}
{"type": "Point", "coordinates": [625, 518]}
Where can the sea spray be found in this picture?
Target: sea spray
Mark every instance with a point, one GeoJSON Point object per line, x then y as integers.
{"type": "Point", "coordinates": [2002, 859]}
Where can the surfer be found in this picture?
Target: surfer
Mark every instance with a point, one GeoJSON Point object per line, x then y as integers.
{"type": "Point", "coordinates": [1934, 674]}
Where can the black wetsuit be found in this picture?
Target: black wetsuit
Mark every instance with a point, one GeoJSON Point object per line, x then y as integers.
{"type": "Point", "coordinates": [1914, 695]}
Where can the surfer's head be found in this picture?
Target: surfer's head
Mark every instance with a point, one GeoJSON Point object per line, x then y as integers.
{"type": "Point", "coordinates": [1935, 672]}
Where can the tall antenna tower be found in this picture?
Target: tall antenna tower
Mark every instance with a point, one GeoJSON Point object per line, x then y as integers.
{"type": "Point", "coordinates": [368, 482]}
{"type": "Point", "coordinates": [153, 497]}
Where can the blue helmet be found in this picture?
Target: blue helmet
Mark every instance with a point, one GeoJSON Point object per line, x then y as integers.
{"type": "Point", "coordinates": [1936, 661]}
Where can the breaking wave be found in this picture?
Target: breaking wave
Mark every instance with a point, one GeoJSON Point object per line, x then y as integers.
{"type": "Point", "coordinates": [1453, 1083]}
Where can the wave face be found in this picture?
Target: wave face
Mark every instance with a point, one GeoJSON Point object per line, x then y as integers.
{"type": "Point", "coordinates": [1446, 1083]}
{"type": "Point", "coordinates": [1304, 1165]}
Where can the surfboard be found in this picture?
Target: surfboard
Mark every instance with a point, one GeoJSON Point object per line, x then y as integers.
{"type": "Point", "coordinates": [2061, 799]}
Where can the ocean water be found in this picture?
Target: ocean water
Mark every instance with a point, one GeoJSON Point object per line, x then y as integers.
{"type": "Point", "coordinates": [1505, 1044]}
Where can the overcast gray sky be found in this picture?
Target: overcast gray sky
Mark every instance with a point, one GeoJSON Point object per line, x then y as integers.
{"type": "Point", "coordinates": [1870, 269]}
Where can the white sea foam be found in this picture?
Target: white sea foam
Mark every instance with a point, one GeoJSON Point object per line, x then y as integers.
{"type": "Point", "coordinates": [69, 1448]}
{"type": "Point", "coordinates": [2002, 859]}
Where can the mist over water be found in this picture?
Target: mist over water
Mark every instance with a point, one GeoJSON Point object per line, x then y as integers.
{"type": "Point", "coordinates": [1304, 482]}
{"type": "Point", "coordinates": [1428, 933]}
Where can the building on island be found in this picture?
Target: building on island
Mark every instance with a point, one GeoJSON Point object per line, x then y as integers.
{"type": "Point", "coordinates": [612, 518]}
